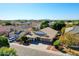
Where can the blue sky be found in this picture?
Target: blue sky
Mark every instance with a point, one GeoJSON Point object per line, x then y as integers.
{"type": "Point", "coordinates": [39, 11]}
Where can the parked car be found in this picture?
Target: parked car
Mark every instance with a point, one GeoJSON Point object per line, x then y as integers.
{"type": "Point", "coordinates": [11, 39]}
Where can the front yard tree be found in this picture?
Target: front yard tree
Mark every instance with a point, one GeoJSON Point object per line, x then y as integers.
{"type": "Point", "coordinates": [4, 42]}
{"type": "Point", "coordinates": [44, 24]}
{"type": "Point", "coordinates": [58, 25]}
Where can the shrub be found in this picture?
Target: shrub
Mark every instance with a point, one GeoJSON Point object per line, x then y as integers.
{"type": "Point", "coordinates": [5, 51]}
{"type": "Point", "coordinates": [56, 43]}
{"type": "Point", "coordinates": [4, 42]}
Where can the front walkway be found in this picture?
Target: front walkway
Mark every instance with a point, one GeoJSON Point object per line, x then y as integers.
{"type": "Point", "coordinates": [34, 50]}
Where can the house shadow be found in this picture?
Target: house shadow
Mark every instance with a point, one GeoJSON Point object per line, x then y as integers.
{"type": "Point", "coordinates": [36, 42]}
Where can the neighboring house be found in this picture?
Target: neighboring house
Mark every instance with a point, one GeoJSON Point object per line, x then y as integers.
{"type": "Point", "coordinates": [68, 29]}
{"type": "Point", "coordinates": [74, 33]}
{"type": "Point", "coordinates": [74, 29]}
{"type": "Point", "coordinates": [51, 23]}
{"type": "Point", "coordinates": [35, 23]}
{"type": "Point", "coordinates": [3, 30]}
{"type": "Point", "coordinates": [46, 34]}
{"type": "Point", "coordinates": [17, 23]}
{"type": "Point", "coordinates": [69, 23]}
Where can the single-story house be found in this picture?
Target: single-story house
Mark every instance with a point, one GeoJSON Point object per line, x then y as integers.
{"type": "Point", "coordinates": [46, 34]}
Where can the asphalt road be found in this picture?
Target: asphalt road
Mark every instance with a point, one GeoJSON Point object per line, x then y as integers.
{"type": "Point", "coordinates": [25, 51]}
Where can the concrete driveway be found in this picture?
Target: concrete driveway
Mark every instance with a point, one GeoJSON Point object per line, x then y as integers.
{"type": "Point", "coordinates": [28, 51]}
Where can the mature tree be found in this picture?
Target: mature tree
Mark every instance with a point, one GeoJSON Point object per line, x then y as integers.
{"type": "Point", "coordinates": [58, 25]}
{"type": "Point", "coordinates": [8, 23]}
{"type": "Point", "coordinates": [44, 24]}
{"type": "Point", "coordinates": [4, 42]}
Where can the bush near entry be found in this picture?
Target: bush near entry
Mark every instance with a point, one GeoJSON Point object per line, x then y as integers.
{"type": "Point", "coordinates": [24, 40]}
{"type": "Point", "coordinates": [4, 42]}
{"type": "Point", "coordinates": [56, 43]}
{"type": "Point", "coordinates": [5, 51]}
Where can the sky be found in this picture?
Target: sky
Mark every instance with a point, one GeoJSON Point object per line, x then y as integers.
{"type": "Point", "coordinates": [13, 11]}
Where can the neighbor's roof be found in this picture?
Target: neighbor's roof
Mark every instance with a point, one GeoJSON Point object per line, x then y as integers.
{"type": "Point", "coordinates": [68, 29]}
{"type": "Point", "coordinates": [3, 29]}
{"type": "Point", "coordinates": [75, 29]}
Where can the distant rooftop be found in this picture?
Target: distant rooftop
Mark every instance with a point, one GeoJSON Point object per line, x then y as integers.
{"type": "Point", "coordinates": [74, 29]}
